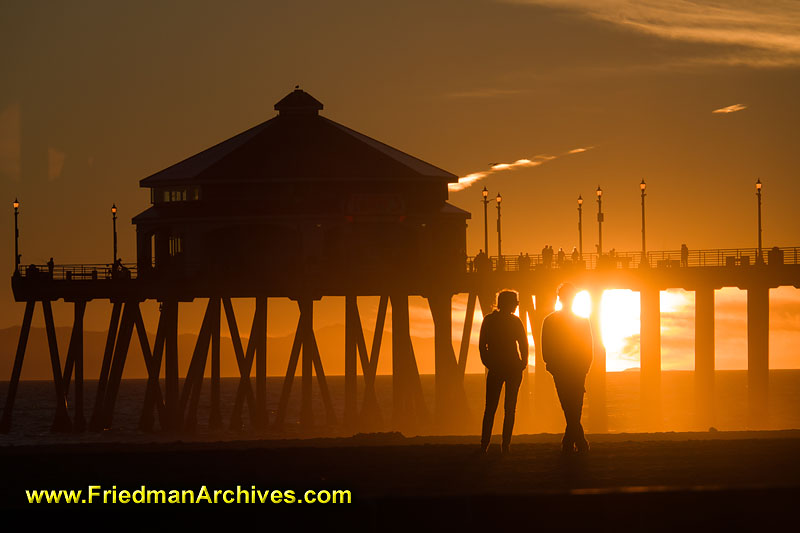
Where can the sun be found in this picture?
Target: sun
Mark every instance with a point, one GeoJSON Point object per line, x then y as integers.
{"type": "Point", "coordinates": [619, 323]}
{"type": "Point", "coordinates": [620, 326]}
{"type": "Point", "coordinates": [581, 305]}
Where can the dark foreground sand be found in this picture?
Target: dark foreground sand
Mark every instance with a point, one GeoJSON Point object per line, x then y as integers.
{"type": "Point", "coordinates": [642, 482]}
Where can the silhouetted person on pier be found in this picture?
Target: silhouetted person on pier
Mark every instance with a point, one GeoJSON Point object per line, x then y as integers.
{"type": "Point", "coordinates": [684, 255]}
{"type": "Point", "coordinates": [567, 352]}
{"type": "Point", "coordinates": [524, 262]}
{"type": "Point", "coordinates": [503, 347]}
{"type": "Point", "coordinates": [482, 262]}
{"type": "Point", "coordinates": [561, 257]}
{"type": "Point", "coordinates": [547, 256]}
{"type": "Point", "coordinates": [575, 256]}
{"type": "Point", "coordinates": [116, 268]}
{"type": "Point", "coordinates": [775, 256]}
{"type": "Point", "coordinates": [50, 268]}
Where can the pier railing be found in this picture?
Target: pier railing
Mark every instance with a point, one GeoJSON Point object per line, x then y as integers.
{"type": "Point", "coordinates": [78, 272]}
{"type": "Point", "coordinates": [723, 257]}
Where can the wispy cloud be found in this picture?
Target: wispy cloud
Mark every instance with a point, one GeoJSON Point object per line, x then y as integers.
{"type": "Point", "coordinates": [470, 179]}
{"type": "Point", "coordinates": [485, 93]}
{"type": "Point", "coordinates": [767, 32]}
{"type": "Point", "coordinates": [730, 109]}
{"type": "Point", "coordinates": [580, 150]}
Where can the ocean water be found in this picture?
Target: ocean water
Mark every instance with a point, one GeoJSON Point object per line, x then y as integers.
{"type": "Point", "coordinates": [35, 403]}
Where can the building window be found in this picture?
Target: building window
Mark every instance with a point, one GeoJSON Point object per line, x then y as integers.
{"type": "Point", "coordinates": [181, 194]}
{"type": "Point", "coordinates": [175, 245]}
{"type": "Point", "coordinates": [175, 195]}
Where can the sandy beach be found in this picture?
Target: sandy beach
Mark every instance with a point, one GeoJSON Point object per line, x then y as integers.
{"type": "Point", "coordinates": [653, 481]}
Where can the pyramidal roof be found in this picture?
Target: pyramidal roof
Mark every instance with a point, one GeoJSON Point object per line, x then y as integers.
{"type": "Point", "coordinates": [298, 145]}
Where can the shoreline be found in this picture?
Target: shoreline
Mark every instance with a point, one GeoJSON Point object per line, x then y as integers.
{"type": "Point", "coordinates": [388, 438]}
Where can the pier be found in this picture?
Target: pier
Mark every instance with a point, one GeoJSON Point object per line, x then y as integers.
{"type": "Point", "coordinates": [301, 207]}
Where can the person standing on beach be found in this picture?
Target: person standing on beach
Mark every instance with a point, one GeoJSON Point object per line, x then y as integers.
{"type": "Point", "coordinates": [567, 354]}
{"type": "Point", "coordinates": [503, 347]}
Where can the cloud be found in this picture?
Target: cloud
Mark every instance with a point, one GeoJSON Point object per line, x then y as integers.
{"type": "Point", "coordinates": [730, 109]}
{"type": "Point", "coordinates": [580, 150]}
{"type": "Point", "coordinates": [469, 179]}
{"type": "Point", "coordinates": [485, 93]}
{"type": "Point", "coordinates": [466, 181]}
{"type": "Point", "coordinates": [766, 33]}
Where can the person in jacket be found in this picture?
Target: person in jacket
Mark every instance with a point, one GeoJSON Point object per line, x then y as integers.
{"type": "Point", "coordinates": [567, 353]}
{"type": "Point", "coordinates": [503, 346]}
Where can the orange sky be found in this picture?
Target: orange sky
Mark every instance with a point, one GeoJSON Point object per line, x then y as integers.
{"type": "Point", "coordinates": [97, 96]}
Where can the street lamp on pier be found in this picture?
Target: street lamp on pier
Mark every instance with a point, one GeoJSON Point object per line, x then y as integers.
{"type": "Point", "coordinates": [599, 221]}
{"type": "Point", "coordinates": [580, 226]}
{"type": "Point", "coordinates": [500, 264]}
{"type": "Point", "coordinates": [16, 236]}
{"type": "Point", "coordinates": [760, 256]}
{"type": "Point", "coordinates": [114, 226]}
{"type": "Point", "coordinates": [644, 262]}
{"type": "Point", "coordinates": [485, 193]}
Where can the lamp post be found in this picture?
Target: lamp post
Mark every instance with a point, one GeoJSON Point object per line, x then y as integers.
{"type": "Point", "coordinates": [16, 235]}
{"type": "Point", "coordinates": [500, 264]}
{"type": "Point", "coordinates": [644, 262]}
{"type": "Point", "coordinates": [760, 256]}
{"type": "Point", "coordinates": [485, 193]}
{"type": "Point", "coordinates": [599, 221]}
{"type": "Point", "coordinates": [114, 225]}
{"type": "Point", "coordinates": [580, 225]}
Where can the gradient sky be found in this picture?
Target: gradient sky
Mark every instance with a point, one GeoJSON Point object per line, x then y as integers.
{"type": "Point", "coordinates": [97, 95]}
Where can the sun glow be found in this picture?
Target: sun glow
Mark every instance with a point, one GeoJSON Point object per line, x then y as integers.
{"type": "Point", "coordinates": [581, 305]}
{"type": "Point", "coordinates": [529, 331]}
{"type": "Point", "coordinates": [619, 323]}
{"type": "Point", "coordinates": [531, 348]}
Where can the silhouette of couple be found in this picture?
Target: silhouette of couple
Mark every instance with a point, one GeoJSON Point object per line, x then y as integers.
{"type": "Point", "coordinates": [567, 353]}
